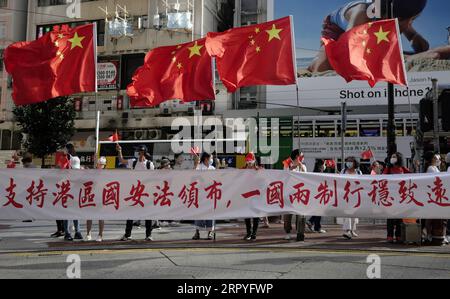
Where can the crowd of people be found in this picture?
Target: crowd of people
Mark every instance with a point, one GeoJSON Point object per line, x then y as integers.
{"type": "Point", "coordinates": [434, 231]}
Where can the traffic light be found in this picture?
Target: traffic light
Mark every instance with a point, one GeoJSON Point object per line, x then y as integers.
{"type": "Point", "coordinates": [426, 115]}
{"type": "Point", "coordinates": [444, 99]}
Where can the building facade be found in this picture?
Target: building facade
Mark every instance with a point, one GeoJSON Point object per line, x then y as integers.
{"type": "Point", "coordinates": [13, 24]}
{"type": "Point", "coordinates": [121, 50]}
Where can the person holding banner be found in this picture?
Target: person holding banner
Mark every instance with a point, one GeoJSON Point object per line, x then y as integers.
{"type": "Point", "coordinates": [206, 164]}
{"type": "Point", "coordinates": [436, 228]}
{"type": "Point", "coordinates": [314, 223]}
{"type": "Point", "coordinates": [295, 163]}
{"type": "Point", "coordinates": [447, 162]}
{"type": "Point", "coordinates": [251, 163]}
{"type": "Point", "coordinates": [141, 163]}
{"type": "Point", "coordinates": [349, 226]}
{"type": "Point", "coordinates": [74, 163]}
{"type": "Point", "coordinates": [395, 166]}
{"type": "Point", "coordinates": [101, 164]}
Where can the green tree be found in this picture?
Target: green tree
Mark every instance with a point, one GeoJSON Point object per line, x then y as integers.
{"type": "Point", "coordinates": [48, 125]}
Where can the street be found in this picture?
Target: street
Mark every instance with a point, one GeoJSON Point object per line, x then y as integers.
{"type": "Point", "coordinates": [27, 252]}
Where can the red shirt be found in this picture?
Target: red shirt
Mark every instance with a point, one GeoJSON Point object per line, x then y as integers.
{"type": "Point", "coordinates": [396, 170]}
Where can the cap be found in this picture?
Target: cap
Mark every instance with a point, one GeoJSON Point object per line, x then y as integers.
{"type": "Point", "coordinates": [250, 157]}
{"type": "Point", "coordinates": [102, 161]}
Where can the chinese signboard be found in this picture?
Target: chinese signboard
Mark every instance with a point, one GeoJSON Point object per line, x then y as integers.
{"type": "Point", "coordinates": [108, 75]}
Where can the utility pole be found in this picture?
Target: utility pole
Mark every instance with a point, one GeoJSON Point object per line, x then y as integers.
{"type": "Point", "coordinates": [343, 131]}
{"type": "Point", "coordinates": [391, 134]}
{"type": "Point", "coordinates": [435, 98]}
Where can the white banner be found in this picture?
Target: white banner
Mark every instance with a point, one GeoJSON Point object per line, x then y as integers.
{"type": "Point", "coordinates": [216, 195]}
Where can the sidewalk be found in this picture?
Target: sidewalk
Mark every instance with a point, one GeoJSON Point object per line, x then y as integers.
{"type": "Point", "coordinates": [24, 237]}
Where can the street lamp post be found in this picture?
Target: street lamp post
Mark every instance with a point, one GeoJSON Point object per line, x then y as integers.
{"type": "Point", "coordinates": [391, 136]}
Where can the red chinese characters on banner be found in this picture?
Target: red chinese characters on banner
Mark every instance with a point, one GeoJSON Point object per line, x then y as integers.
{"type": "Point", "coordinates": [275, 194]}
{"type": "Point", "coordinates": [162, 197]}
{"type": "Point", "coordinates": [406, 192]}
{"type": "Point", "coordinates": [137, 193]}
{"type": "Point", "coordinates": [380, 194]}
{"type": "Point", "coordinates": [111, 195]}
{"type": "Point", "coordinates": [301, 195]}
{"type": "Point", "coordinates": [12, 195]}
{"type": "Point", "coordinates": [37, 194]}
{"type": "Point", "coordinates": [214, 193]}
{"type": "Point", "coordinates": [86, 198]}
{"type": "Point", "coordinates": [325, 194]}
{"type": "Point", "coordinates": [438, 196]}
{"type": "Point", "coordinates": [189, 196]}
{"type": "Point", "coordinates": [349, 191]}
{"type": "Point", "coordinates": [62, 195]}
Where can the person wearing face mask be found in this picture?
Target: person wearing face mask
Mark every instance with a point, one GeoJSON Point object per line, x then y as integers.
{"type": "Point", "coordinates": [295, 163]}
{"type": "Point", "coordinates": [101, 164]}
{"type": "Point", "coordinates": [436, 228]}
{"type": "Point", "coordinates": [349, 226]}
{"type": "Point", "coordinates": [74, 163]}
{"type": "Point", "coordinates": [142, 163]}
{"type": "Point", "coordinates": [447, 162]}
{"type": "Point", "coordinates": [205, 165]}
{"type": "Point", "coordinates": [376, 168]}
{"type": "Point", "coordinates": [250, 163]}
{"type": "Point", "coordinates": [314, 223]}
{"type": "Point", "coordinates": [395, 167]}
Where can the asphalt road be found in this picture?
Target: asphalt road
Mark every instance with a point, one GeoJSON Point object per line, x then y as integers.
{"type": "Point", "coordinates": [26, 251]}
{"type": "Point", "coordinates": [221, 264]}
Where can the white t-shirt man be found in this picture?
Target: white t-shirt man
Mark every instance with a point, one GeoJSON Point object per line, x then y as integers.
{"type": "Point", "coordinates": [75, 162]}
{"type": "Point", "coordinates": [140, 165]}
{"type": "Point", "coordinates": [203, 167]}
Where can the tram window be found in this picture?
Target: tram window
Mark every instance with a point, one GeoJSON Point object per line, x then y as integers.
{"type": "Point", "coordinates": [6, 140]}
{"type": "Point", "coordinates": [306, 130]}
{"type": "Point", "coordinates": [370, 128]}
{"type": "Point", "coordinates": [399, 128]}
{"type": "Point", "coordinates": [352, 129]}
{"type": "Point", "coordinates": [325, 129]}
{"type": "Point", "coordinates": [411, 127]}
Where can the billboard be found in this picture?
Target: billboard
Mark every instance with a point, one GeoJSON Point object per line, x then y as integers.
{"type": "Point", "coordinates": [425, 38]}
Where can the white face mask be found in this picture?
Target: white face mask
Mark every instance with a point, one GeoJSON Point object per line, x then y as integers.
{"type": "Point", "coordinates": [437, 163]}
{"type": "Point", "coordinates": [394, 161]}
{"type": "Point", "coordinates": [211, 161]}
{"type": "Point", "coordinates": [349, 165]}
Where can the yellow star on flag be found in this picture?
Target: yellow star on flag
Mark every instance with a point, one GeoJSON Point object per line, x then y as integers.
{"type": "Point", "coordinates": [258, 49]}
{"type": "Point", "coordinates": [381, 35]}
{"type": "Point", "coordinates": [257, 30]}
{"type": "Point", "coordinates": [274, 33]}
{"type": "Point", "coordinates": [179, 65]}
{"type": "Point", "coordinates": [195, 50]}
{"type": "Point", "coordinates": [76, 41]}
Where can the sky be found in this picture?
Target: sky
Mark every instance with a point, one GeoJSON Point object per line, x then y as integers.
{"type": "Point", "coordinates": [309, 15]}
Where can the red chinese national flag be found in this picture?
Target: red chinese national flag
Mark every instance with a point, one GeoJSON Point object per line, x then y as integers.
{"type": "Point", "coordinates": [61, 63]}
{"type": "Point", "coordinates": [255, 55]}
{"type": "Point", "coordinates": [367, 155]}
{"type": "Point", "coordinates": [114, 138]}
{"type": "Point", "coordinates": [371, 52]}
{"type": "Point", "coordinates": [182, 72]}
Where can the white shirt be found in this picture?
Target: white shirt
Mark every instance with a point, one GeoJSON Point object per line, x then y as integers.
{"type": "Point", "coordinates": [75, 162]}
{"type": "Point", "coordinates": [433, 169]}
{"type": "Point", "coordinates": [301, 168]}
{"type": "Point", "coordinates": [203, 167]}
{"type": "Point", "coordinates": [140, 165]}
{"type": "Point", "coordinates": [448, 170]}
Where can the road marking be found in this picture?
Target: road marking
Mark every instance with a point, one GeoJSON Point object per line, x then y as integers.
{"type": "Point", "coordinates": [237, 250]}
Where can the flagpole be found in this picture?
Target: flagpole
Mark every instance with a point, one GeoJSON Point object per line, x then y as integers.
{"type": "Point", "coordinates": [294, 61]}
{"type": "Point", "coordinates": [97, 139]}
